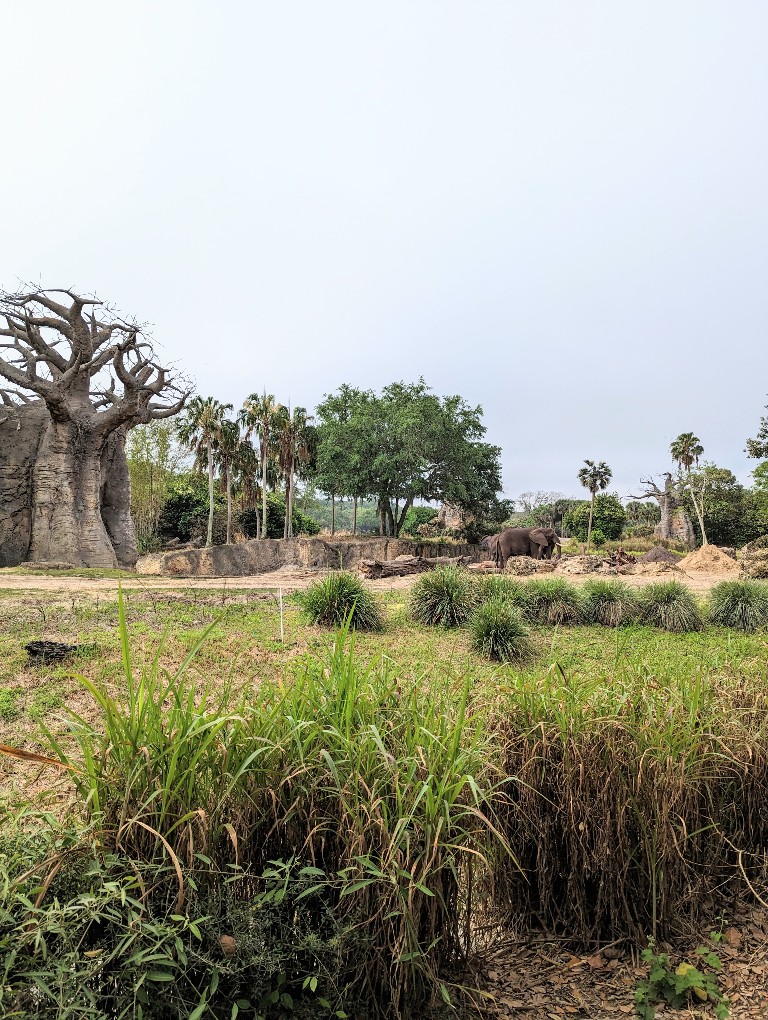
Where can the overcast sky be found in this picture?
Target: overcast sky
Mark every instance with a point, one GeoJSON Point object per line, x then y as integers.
{"type": "Point", "coordinates": [557, 209]}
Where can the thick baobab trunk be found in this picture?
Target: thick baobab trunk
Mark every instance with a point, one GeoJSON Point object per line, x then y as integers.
{"type": "Point", "coordinates": [116, 500]}
{"type": "Point", "coordinates": [66, 511]}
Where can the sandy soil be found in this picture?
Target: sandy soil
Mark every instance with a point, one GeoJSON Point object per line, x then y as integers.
{"type": "Point", "coordinates": [289, 579]}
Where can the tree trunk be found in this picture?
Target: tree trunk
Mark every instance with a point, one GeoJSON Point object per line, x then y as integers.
{"type": "Point", "coordinates": [209, 538]}
{"type": "Point", "coordinates": [589, 527]}
{"type": "Point", "coordinates": [354, 516]}
{"type": "Point", "coordinates": [67, 525]}
{"type": "Point", "coordinates": [264, 487]}
{"type": "Point", "coordinates": [699, 509]}
{"type": "Point", "coordinates": [229, 505]}
{"type": "Point", "coordinates": [333, 514]}
{"type": "Point", "coordinates": [401, 519]}
{"type": "Point", "coordinates": [116, 501]}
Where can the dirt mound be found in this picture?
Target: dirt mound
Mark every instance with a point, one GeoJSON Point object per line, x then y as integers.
{"type": "Point", "coordinates": [709, 560]}
{"type": "Point", "coordinates": [754, 557]}
{"type": "Point", "coordinates": [659, 555]}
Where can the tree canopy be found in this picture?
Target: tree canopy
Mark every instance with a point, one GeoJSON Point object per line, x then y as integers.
{"type": "Point", "coordinates": [405, 444]}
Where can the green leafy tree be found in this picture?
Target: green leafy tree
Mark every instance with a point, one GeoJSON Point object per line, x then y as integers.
{"type": "Point", "coordinates": [733, 514]}
{"type": "Point", "coordinates": [607, 515]}
{"type": "Point", "coordinates": [153, 457]}
{"type": "Point", "coordinates": [402, 445]}
{"type": "Point", "coordinates": [685, 452]}
{"type": "Point", "coordinates": [199, 431]}
{"type": "Point", "coordinates": [595, 478]}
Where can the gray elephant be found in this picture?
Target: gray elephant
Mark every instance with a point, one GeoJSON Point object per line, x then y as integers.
{"type": "Point", "coordinates": [539, 543]}
{"type": "Point", "coordinates": [491, 544]}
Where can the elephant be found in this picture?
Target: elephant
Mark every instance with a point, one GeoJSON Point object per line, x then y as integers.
{"type": "Point", "coordinates": [536, 542]}
{"type": "Point", "coordinates": [491, 544]}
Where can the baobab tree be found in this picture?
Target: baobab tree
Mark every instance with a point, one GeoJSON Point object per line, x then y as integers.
{"type": "Point", "coordinates": [594, 477]}
{"type": "Point", "coordinates": [78, 376]}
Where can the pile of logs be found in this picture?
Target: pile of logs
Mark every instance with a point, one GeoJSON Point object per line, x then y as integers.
{"type": "Point", "coordinates": [619, 559]}
{"type": "Point", "coordinates": [404, 565]}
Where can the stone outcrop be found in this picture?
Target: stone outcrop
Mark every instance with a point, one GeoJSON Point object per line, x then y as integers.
{"type": "Point", "coordinates": [263, 555]}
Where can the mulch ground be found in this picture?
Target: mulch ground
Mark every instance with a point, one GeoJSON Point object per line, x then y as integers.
{"type": "Point", "coordinates": [542, 980]}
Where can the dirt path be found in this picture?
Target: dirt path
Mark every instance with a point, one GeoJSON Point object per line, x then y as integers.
{"type": "Point", "coordinates": [289, 579]}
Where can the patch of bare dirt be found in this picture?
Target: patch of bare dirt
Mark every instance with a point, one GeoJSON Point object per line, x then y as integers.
{"type": "Point", "coordinates": [540, 979]}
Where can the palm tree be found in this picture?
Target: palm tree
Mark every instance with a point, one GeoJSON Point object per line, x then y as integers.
{"type": "Point", "coordinates": [258, 414]}
{"type": "Point", "coordinates": [226, 448]}
{"type": "Point", "coordinates": [199, 431]}
{"type": "Point", "coordinates": [293, 439]}
{"type": "Point", "coordinates": [685, 452]}
{"type": "Point", "coordinates": [594, 477]}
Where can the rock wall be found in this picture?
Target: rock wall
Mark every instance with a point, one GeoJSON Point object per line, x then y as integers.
{"type": "Point", "coordinates": [261, 556]}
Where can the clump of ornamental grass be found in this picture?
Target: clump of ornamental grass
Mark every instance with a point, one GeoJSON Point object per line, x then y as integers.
{"type": "Point", "coordinates": [741, 604]}
{"type": "Point", "coordinates": [609, 603]}
{"type": "Point", "coordinates": [552, 600]}
{"type": "Point", "coordinates": [498, 631]}
{"type": "Point", "coordinates": [443, 597]}
{"type": "Point", "coordinates": [340, 597]}
{"type": "Point", "coordinates": [501, 586]}
{"type": "Point", "coordinates": [671, 606]}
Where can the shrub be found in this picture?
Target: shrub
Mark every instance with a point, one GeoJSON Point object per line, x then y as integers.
{"type": "Point", "coordinates": [332, 600]}
{"type": "Point", "coordinates": [443, 597]}
{"type": "Point", "coordinates": [610, 603]}
{"type": "Point", "coordinates": [671, 606]}
{"type": "Point", "coordinates": [492, 586]}
{"type": "Point", "coordinates": [552, 600]}
{"type": "Point", "coordinates": [741, 604]}
{"type": "Point", "coordinates": [498, 631]}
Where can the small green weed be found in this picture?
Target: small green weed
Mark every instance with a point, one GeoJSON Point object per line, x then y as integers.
{"type": "Point", "coordinates": [43, 702]}
{"type": "Point", "coordinates": [679, 986]}
{"type": "Point", "coordinates": [9, 703]}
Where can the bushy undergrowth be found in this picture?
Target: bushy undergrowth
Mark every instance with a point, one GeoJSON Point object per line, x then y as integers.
{"type": "Point", "coordinates": [88, 932]}
{"type": "Point", "coordinates": [443, 597]}
{"type": "Point", "coordinates": [609, 602]}
{"type": "Point", "coordinates": [671, 606]}
{"type": "Point", "coordinates": [498, 631]}
{"type": "Point", "coordinates": [552, 600]}
{"type": "Point", "coordinates": [340, 597]}
{"type": "Point", "coordinates": [741, 604]}
{"type": "Point", "coordinates": [386, 786]}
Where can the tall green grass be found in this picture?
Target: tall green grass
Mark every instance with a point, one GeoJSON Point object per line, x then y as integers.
{"type": "Point", "coordinates": [609, 602]}
{"type": "Point", "coordinates": [389, 786]}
